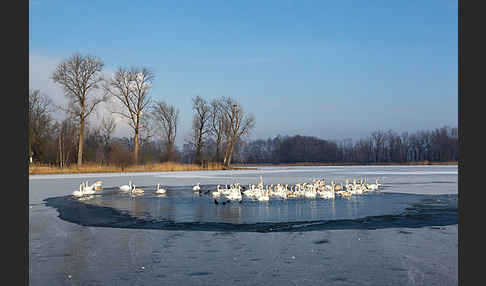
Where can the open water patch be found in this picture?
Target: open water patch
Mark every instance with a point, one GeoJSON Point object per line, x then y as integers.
{"type": "Point", "coordinates": [181, 209]}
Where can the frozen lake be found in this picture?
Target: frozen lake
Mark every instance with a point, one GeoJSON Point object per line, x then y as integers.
{"type": "Point", "coordinates": [69, 250]}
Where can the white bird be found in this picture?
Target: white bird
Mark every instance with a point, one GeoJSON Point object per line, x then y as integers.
{"type": "Point", "coordinates": [217, 193]}
{"type": "Point", "coordinates": [263, 197]}
{"type": "Point", "coordinates": [160, 190]}
{"type": "Point", "coordinates": [87, 189]}
{"type": "Point", "coordinates": [136, 190]}
{"type": "Point", "coordinates": [260, 183]}
{"type": "Point", "coordinates": [373, 187]}
{"type": "Point", "coordinates": [126, 188]}
{"type": "Point", "coordinates": [79, 193]}
{"type": "Point", "coordinates": [196, 187]}
{"type": "Point", "coordinates": [234, 193]}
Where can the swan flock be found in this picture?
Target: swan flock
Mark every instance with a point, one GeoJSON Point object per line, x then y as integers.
{"type": "Point", "coordinates": [317, 188]}
{"type": "Point", "coordinates": [260, 191]}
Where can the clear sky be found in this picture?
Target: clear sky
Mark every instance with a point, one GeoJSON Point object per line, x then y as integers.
{"type": "Point", "coordinates": [331, 69]}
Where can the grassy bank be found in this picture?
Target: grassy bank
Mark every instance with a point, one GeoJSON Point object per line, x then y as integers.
{"type": "Point", "coordinates": [421, 163]}
{"type": "Point", "coordinates": [35, 169]}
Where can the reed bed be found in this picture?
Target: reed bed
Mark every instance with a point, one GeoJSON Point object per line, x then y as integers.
{"type": "Point", "coordinates": [35, 169]}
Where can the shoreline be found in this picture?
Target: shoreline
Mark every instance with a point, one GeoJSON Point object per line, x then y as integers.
{"type": "Point", "coordinates": [173, 167]}
{"type": "Point", "coordinates": [421, 163]}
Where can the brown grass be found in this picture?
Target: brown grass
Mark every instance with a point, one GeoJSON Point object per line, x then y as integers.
{"type": "Point", "coordinates": [35, 169]}
{"type": "Point", "coordinates": [97, 168]}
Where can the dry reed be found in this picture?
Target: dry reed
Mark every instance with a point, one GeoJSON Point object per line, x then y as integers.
{"type": "Point", "coordinates": [98, 168]}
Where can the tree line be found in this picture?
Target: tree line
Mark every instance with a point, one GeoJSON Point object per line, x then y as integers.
{"type": "Point", "coordinates": [437, 145]}
{"type": "Point", "coordinates": [153, 123]}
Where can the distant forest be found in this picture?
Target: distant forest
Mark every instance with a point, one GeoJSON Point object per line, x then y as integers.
{"type": "Point", "coordinates": [439, 145]}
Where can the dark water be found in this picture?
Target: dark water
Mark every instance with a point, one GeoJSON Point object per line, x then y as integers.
{"type": "Point", "coordinates": [181, 209]}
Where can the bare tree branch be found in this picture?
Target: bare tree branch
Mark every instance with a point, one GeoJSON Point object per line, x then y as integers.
{"type": "Point", "coordinates": [79, 75]}
{"type": "Point", "coordinates": [166, 117]}
{"type": "Point", "coordinates": [131, 87]}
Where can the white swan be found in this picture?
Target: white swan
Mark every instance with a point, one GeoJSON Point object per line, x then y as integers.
{"type": "Point", "coordinates": [126, 188]}
{"type": "Point", "coordinates": [263, 195]}
{"type": "Point", "coordinates": [358, 189]}
{"type": "Point", "coordinates": [373, 187]}
{"type": "Point", "coordinates": [234, 194]}
{"type": "Point", "coordinates": [160, 190]}
{"type": "Point", "coordinates": [87, 189]}
{"type": "Point", "coordinates": [217, 193]}
{"type": "Point", "coordinates": [310, 192]}
{"type": "Point", "coordinates": [136, 190]}
{"type": "Point", "coordinates": [328, 192]}
{"type": "Point", "coordinates": [79, 193]}
{"type": "Point", "coordinates": [196, 187]}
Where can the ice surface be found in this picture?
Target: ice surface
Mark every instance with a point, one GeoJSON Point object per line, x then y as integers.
{"type": "Point", "coordinates": [407, 179]}
{"type": "Point", "coordinates": [114, 256]}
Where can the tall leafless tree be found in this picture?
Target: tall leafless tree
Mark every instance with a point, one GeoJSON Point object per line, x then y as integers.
{"type": "Point", "coordinates": [80, 75]}
{"type": "Point", "coordinates": [200, 124]}
{"type": "Point", "coordinates": [66, 140]}
{"type": "Point", "coordinates": [237, 125]}
{"type": "Point", "coordinates": [132, 87]}
{"type": "Point", "coordinates": [404, 147]}
{"type": "Point", "coordinates": [378, 138]}
{"type": "Point", "coordinates": [166, 117]}
{"type": "Point", "coordinates": [40, 108]}
{"type": "Point", "coordinates": [217, 120]}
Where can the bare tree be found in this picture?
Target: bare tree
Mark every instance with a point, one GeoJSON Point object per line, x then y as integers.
{"type": "Point", "coordinates": [131, 87]}
{"type": "Point", "coordinates": [200, 124]}
{"type": "Point", "coordinates": [108, 126]}
{"type": "Point", "coordinates": [404, 147]}
{"type": "Point", "coordinates": [217, 126]}
{"type": "Point", "coordinates": [378, 138]}
{"type": "Point", "coordinates": [237, 125]}
{"type": "Point", "coordinates": [166, 117]}
{"type": "Point", "coordinates": [146, 130]}
{"type": "Point", "coordinates": [79, 75]}
{"type": "Point", "coordinates": [66, 138]}
{"type": "Point", "coordinates": [40, 107]}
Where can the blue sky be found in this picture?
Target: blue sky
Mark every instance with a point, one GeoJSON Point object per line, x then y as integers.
{"type": "Point", "coordinates": [331, 69]}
